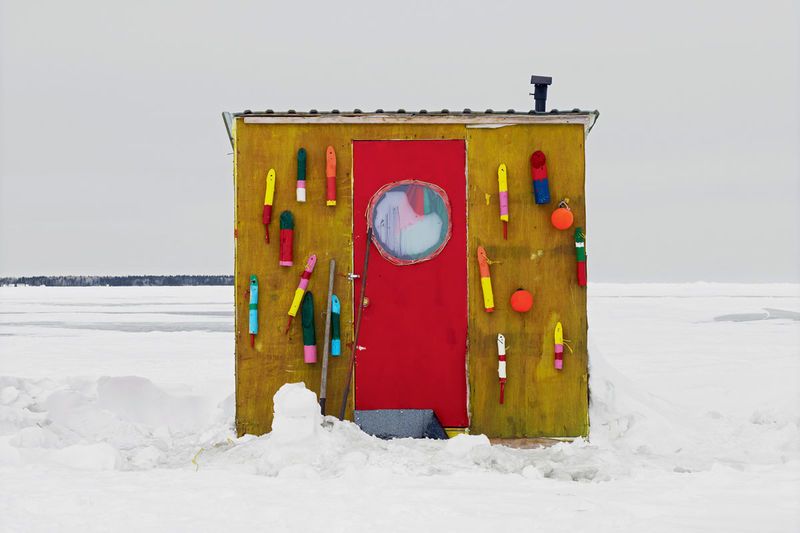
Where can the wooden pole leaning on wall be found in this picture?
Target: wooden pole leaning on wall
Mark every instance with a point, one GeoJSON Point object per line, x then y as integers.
{"type": "Point", "coordinates": [323, 388]}
{"type": "Point", "coordinates": [358, 326]}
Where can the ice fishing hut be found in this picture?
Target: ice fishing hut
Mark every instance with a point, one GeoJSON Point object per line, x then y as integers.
{"type": "Point", "coordinates": [432, 184]}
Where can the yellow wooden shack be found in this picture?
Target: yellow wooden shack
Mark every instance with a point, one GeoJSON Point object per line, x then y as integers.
{"type": "Point", "coordinates": [427, 340]}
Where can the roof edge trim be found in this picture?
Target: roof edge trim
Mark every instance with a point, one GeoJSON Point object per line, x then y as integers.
{"type": "Point", "coordinates": [587, 118]}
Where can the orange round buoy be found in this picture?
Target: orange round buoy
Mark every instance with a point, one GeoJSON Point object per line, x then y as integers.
{"type": "Point", "coordinates": [561, 218]}
{"type": "Point", "coordinates": [521, 301]}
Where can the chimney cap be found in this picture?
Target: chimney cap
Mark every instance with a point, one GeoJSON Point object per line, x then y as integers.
{"type": "Point", "coordinates": [541, 80]}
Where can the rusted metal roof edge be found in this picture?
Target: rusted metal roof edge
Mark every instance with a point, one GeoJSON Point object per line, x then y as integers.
{"type": "Point", "coordinates": [488, 119]}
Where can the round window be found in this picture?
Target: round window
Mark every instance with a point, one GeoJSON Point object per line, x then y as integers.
{"type": "Point", "coordinates": [410, 221]}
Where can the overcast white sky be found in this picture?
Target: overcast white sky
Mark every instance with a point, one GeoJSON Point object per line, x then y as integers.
{"type": "Point", "coordinates": [114, 160]}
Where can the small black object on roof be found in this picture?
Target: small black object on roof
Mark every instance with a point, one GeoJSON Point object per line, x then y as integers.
{"type": "Point", "coordinates": [539, 93]}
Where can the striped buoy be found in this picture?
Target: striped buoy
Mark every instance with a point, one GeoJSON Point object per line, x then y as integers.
{"type": "Point", "coordinates": [269, 197]}
{"type": "Point", "coordinates": [501, 364]}
{"type": "Point", "coordinates": [286, 257]}
{"type": "Point", "coordinates": [541, 185]}
{"type": "Point", "coordinates": [502, 181]}
{"type": "Point", "coordinates": [301, 289]}
{"type": "Point", "coordinates": [309, 335]}
{"type": "Point", "coordinates": [301, 175]}
{"type": "Point", "coordinates": [253, 309]}
{"type": "Point", "coordinates": [580, 255]}
{"type": "Point", "coordinates": [336, 329]}
{"type": "Point", "coordinates": [559, 347]}
{"type": "Point", "coordinates": [486, 280]}
{"type": "Point", "coordinates": [330, 175]}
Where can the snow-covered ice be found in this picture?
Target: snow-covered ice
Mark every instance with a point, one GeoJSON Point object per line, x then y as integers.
{"type": "Point", "coordinates": [116, 414]}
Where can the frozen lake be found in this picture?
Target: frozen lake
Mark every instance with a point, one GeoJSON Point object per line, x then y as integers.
{"type": "Point", "coordinates": [116, 414]}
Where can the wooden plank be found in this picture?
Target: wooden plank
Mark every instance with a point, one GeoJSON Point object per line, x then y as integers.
{"type": "Point", "coordinates": [526, 443]}
{"type": "Point", "coordinates": [539, 400]}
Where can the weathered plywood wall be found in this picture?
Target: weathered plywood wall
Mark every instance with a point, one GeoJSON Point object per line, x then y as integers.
{"type": "Point", "coordinates": [326, 231]}
{"type": "Point", "coordinates": [539, 400]}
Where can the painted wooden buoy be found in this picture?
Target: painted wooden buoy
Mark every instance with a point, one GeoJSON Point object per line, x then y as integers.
{"type": "Point", "coordinates": [559, 347]}
{"type": "Point", "coordinates": [301, 289]}
{"type": "Point", "coordinates": [253, 310]}
{"type": "Point", "coordinates": [309, 335]}
{"type": "Point", "coordinates": [301, 175]}
{"type": "Point", "coordinates": [286, 257]}
{"type": "Point", "coordinates": [269, 197]}
{"type": "Point", "coordinates": [541, 184]}
{"type": "Point", "coordinates": [486, 280]}
{"type": "Point", "coordinates": [502, 182]}
{"type": "Point", "coordinates": [330, 176]}
{"type": "Point", "coordinates": [336, 329]}
{"type": "Point", "coordinates": [501, 364]}
{"type": "Point", "coordinates": [580, 255]}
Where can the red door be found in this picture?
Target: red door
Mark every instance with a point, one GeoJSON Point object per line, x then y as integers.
{"type": "Point", "coordinates": [414, 330]}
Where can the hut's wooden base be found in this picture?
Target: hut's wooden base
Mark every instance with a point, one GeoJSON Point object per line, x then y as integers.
{"type": "Point", "coordinates": [524, 443]}
{"type": "Point", "coordinates": [527, 443]}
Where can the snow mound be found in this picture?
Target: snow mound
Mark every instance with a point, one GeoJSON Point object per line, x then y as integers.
{"type": "Point", "coordinates": [153, 407]}
{"type": "Point", "coordinates": [129, 423]}
{"type": "Point", "coordinates": [645, 427]}
{"type": "Point", "coordinates": [97, 456]}
{"type": "Point", "coordinates": [297, 415]}
{"type": "Point", "coordinates": [125, 423]}
{"type": "Point", "coordinates": [462, 445]}
{"type": "Point", "coordinates": [305, 445]}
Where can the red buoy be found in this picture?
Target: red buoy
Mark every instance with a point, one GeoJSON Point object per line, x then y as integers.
{"type": "Point", "coordinates": [521, 301]}
{"type": "Point", "coordinates": [562, 217]}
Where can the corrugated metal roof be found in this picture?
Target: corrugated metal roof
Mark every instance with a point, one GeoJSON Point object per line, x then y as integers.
{"type": "Point", "coordinates": [487, 118]}
{"type": "Point", "coordinates": [421, 112]}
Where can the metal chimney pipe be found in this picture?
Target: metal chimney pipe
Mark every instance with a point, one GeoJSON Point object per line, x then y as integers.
{"type": "Point", "coordinates": [539, 93]}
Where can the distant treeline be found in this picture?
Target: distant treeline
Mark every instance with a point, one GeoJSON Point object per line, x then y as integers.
{"type": "Point", "coordinates": [118, 281]}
